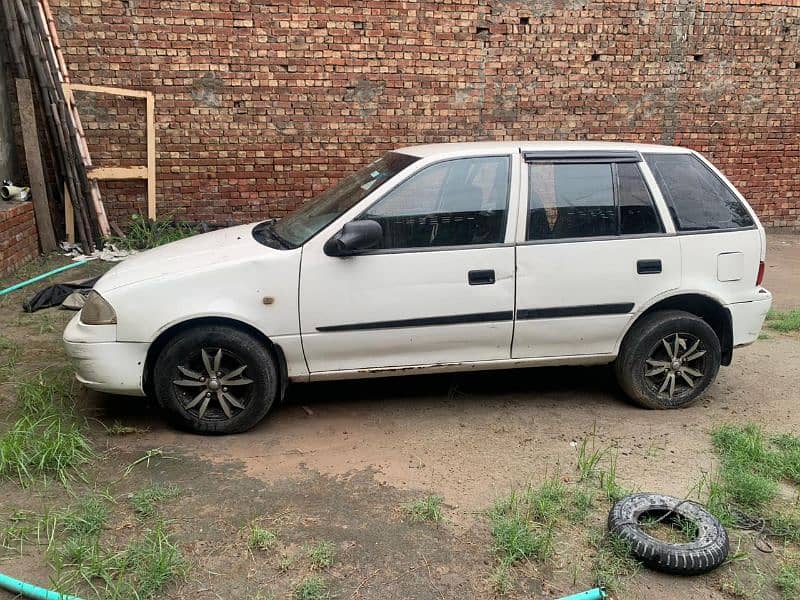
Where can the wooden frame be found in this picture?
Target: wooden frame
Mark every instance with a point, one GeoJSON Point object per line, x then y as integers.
{"type": "Point", "coordinates": [147, 172]}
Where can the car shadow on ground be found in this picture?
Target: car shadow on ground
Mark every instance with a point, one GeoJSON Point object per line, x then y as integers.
{"type": "Point", "coordinates": [571, 387]}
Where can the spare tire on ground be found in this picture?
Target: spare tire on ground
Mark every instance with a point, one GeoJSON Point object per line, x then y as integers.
{"type": "Point", "coordinates": [705, 552]}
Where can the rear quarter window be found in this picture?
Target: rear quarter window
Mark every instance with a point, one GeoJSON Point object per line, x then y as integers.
{"type": "Point", "coordinates": [698, 200]}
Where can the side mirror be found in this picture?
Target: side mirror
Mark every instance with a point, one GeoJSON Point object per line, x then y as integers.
{"type": "Point", "coordinates": [354, 237]}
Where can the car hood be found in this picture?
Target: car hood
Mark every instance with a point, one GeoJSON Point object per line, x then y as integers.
{"type": "Point", "coordinates": [204, 251]}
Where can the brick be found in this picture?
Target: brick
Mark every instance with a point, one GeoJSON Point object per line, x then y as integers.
{"type": "Point", "coordinates": [260, 106]}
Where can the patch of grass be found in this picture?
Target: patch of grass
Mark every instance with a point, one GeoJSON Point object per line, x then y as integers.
{"type": "Point", "coordinates": [613, 562]}
{"type": "Point", "coordinates": [609, 484]}
{"type": "Point", "coordinates": [501, 579]}
{"type": "Point", "coordinates": [138, 571]}
{"type": "Point", "coordinates": [547, 501]}
{"type": "Point", "coordinates": [589, 458]}
{"type": "Point", "coordinates": [428, 508]}
{"type": "Point", "coordinates": [145, 501]}
{"type": "Point", "coordinates": [260, 538]}
{"type": "Point", "coordinates": [581, 504]}
{"type": "Point", "coordinates": [674, 529]}
{"type": "Point", "coordinates": [321, 555]}
{"type": "Point", "coordinates": [745, 581]}
{"type": "Point", "coordinates": [523, 523]}
{"type": "Point", "coordinates": [516, 538]}
{"type": "Point", "coordinates": [9, 355]}
{"type": "Point", "coordinates": [784, 320]}
{"type": "Point", "coordinates": [788, 578]}
{"type": "Point", "coordinates": [286, 562]}
{"type": "Point", "coordinates": [117, 428]}
{"type": "Point", "coordinates": [312, 588]}
{"type": "Point", "coordinates": [752, 466]}
{"type": "Point", "coordinates": [47, 439]}
{"type": "Point", "coordinates": [747, 484]}
{"type": "Point", "coordinates": [144, 234]}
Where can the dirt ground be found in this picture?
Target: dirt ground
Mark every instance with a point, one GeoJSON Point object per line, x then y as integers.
{"type": "Point", "coordinates": [338, 460]}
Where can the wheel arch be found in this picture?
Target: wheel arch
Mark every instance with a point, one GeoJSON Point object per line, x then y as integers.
{"type": "Point", "coordinates": [170, 332]}
{"type": "Point", "coordinates": [707, 308]}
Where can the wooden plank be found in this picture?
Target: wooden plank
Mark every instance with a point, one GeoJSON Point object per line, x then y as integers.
{"type": "Point", "coordinates": [117, 173]}
{"type": "Point", "coordinates": [69, 217]}
{"type": "Point", "coordinates": [151, 157]}
{"type": "Point", "coordinates": [104, 89]}
{"type": "Point", "coordinates": [33, 159]}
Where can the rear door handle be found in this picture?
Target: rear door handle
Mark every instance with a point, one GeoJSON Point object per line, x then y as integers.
{"type": "Point", "coordinates": [485, 277]}
{"type": "Point", "coordinates": [648, 266]}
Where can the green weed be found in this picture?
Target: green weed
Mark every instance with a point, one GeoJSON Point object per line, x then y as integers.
{"type": "Point", "coordinates": [784, 321]}
{"type": "Point", "coordinates": [46, 440]}
{"type": "Point", "coordinates": [312, 588]}
{"type": "Point", "coordinates": [501, 579]}
{"type": "Point", "coordinates": [523, 523]}
{"type": "Point", "coordinates": [581, 504]}
{"type": "Point", "coordinates": [9, 355]}
{"type": "Point", "coordinates": [321, 555]}
{"type": "Point", "coordinates": [613, 562]}
{"type": "Point", "coordinates": [144, 234]}
{"type": "Point", "coordinates": [788, 578]}
{"type": "Point", "coordinates": [138, 571]}
{"type": "Point", "coordinates": [260, 538]}
{"type": "Point", "coordinates": [748, 480]}
{"type": "Point", "coordinates": [516, 538]}
{"type": "Point", "coordinates": [589, 458]}
{"type": "Point", "coordinates": [428, 508]}
{"type": "Point", "coordinates": [117, 428]}
{"type": "Point", "coordinates": [609, 484]}
{"type": "Point", "coordinates": [145, 501]}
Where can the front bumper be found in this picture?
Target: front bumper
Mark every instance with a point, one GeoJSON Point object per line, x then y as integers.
{"type": "Point", "coordinates": [104, 364]}
{"type": "Point", "coordinates": [748, 318]}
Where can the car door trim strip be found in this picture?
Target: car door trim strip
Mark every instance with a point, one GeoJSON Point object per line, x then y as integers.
{"type": "Point", "coordinates": [503, 315]}
{"type": "Point", "coordinates": [587, 310]}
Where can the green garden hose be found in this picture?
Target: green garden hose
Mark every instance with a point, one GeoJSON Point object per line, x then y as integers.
{"type": "Point", "coordinates": [27, 590]}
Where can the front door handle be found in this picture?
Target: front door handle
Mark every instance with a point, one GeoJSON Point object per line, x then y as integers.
{"type": "Point", "coordinates": [484, 277]}
{"type": "Point", "coordinates": [648, 266]}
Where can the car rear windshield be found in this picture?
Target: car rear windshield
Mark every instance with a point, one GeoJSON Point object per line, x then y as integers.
{"type": "Point", "coordinates": [697, 198]}
{"type": "Point", "coordinates": [304, 223]}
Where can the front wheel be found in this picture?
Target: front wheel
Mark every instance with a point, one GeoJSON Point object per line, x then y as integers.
{"type": "Point", "coordinates": [215, 380]}
{"type": "Point", "coordinates": [668, 359]}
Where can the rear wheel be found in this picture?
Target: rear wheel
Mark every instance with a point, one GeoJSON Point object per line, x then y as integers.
{"type": "Point", "coordinates": [215, 380]}
{"type": "Point", "coordinates": [668, 359]}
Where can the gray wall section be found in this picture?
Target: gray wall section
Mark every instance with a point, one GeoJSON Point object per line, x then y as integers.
{"type": "Point", "coordinates": [7, 144]}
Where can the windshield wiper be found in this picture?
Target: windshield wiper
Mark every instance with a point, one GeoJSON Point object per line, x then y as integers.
{"type": "Point", "coordinates": [267, 230]}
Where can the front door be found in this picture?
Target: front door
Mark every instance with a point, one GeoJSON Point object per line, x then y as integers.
{"type": "Point", "coordinates": [594, 250]}
{"type": "Point", "coordinates": [438, 289]}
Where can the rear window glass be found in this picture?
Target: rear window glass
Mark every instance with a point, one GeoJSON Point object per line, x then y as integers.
{"type": "Point", "coordinates": [697, 199]}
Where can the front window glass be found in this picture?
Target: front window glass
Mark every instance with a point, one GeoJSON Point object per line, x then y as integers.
{"type": "Point", "coordinates": [452, 203]}
{"type": "Point", "coordinates": [300, 226]}
{"type": "Point", "coordinates": [697, 199]}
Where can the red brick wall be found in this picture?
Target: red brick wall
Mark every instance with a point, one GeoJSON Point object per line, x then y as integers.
{"type": "Point", "coordinates": [261, 104]}
{"type": "Point", "coordinates": [19, 240]}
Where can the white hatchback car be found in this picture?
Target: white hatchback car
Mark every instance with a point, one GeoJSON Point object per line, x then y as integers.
{"type": "Point", "coordinates": [445, 257]}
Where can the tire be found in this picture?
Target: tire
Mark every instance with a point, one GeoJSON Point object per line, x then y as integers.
{"type": "Point", "coordinates": [215, 380]}
{"type": "Point", "coordinates": [645, 350]}
{"type": "Point", "coordinates": [705, 553]}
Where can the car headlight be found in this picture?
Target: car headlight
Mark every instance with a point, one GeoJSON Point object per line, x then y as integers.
{"type": "Point", "coordinates": [97, 311]}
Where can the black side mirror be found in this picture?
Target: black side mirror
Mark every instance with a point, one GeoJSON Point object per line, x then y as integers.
{"type": "Point", "coordinates": [354, 237]}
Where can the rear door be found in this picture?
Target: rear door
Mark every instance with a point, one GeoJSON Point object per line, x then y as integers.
{"type": "Point", "coordinates": [594, 250]}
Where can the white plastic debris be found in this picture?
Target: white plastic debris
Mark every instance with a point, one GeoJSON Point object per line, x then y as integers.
{"type": "Point", "coordinates": [109, 253]}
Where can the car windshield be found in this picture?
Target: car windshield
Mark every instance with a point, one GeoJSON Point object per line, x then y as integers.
{"type": "Point", "coordinates": [300, 226]}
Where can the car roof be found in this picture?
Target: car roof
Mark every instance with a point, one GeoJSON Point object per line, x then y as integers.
{"type": "Point", "coordinates": [508, 147]}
